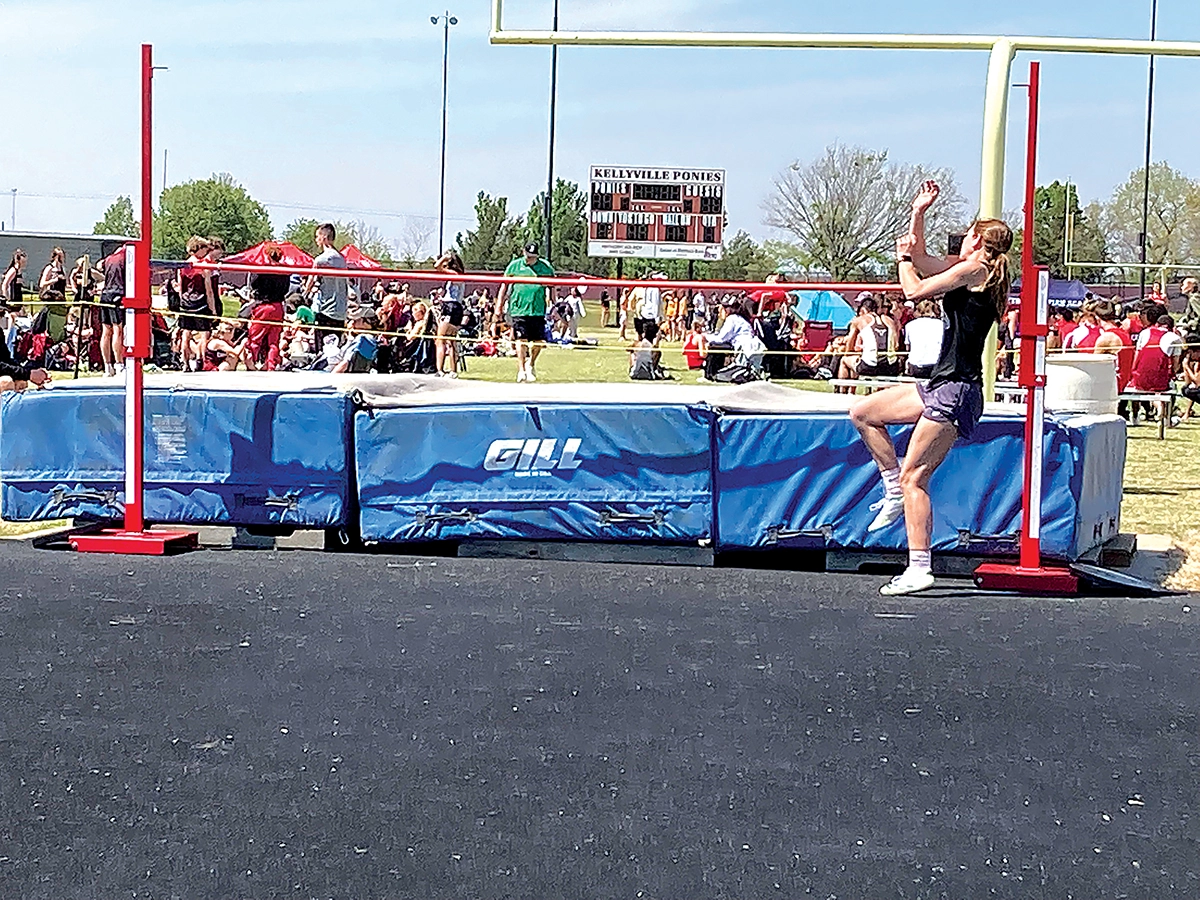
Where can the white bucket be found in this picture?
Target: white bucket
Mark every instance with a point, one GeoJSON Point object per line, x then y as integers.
{"type": "Point", "coordinates": [1081, 383]}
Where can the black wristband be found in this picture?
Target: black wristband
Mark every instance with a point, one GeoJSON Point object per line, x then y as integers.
{"type": "Point", "coordinates": [905, 258]}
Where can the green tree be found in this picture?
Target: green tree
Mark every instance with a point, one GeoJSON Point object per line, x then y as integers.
{"type": "Point", "coordinates": [301, 232]}
{"type": "Point", "coordinates": [118, 219]}
{"type": "Point", "coordinates": [569, 228]}
{"type": "Point", "coordinates": [846, 208]}
{"type": "Point", "coordinates": [1173, 227]}
{"type": "Point", "coordinates": [497, 236]}
{"type": "Point", "coordinates": [742, 260]}
{"type": "Point", "coordinates": [217, 206]}
{"type": "Point", "coordinates": [1050, 207]}
{"type": "Point", "coordinates": [368, 239]}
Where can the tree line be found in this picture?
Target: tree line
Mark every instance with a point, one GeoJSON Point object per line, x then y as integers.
{"type": "Point", "coordinates": [841, 212]}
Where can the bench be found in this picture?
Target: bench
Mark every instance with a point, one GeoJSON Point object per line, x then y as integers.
{"type": "Point", "coordinates": [1165, 401]}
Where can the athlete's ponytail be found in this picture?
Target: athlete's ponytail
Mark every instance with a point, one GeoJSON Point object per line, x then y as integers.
{"type": "Point", "coordinates": [997, 238]}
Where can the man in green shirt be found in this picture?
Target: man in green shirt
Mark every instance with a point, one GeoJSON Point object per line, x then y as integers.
{"type": "Point", "coordinates": [527, 307]}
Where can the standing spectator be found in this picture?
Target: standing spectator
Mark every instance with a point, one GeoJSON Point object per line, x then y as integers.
{"type": "Point", "coordinates": [1189, 322]}
{"type": "Point", "coordinates": [670, 315]}
{"type": "Point", "coordinates": [1158, 352]}
{"type": "Point", "coordinates": [453, 314]}
{"type": "Point", "coordinates": [331, 300]}
{"type": "Point", "coordinates": [268, 289]}
{"type": "Point", "coordinates": [700, 308]}
{"type": "Point", "coordinates": [84, 280]}
{"type": "Point", "coordinates": [1156, 294]}
{"type": "Point", "coordinates": [526, 303]}
{"type": "Point", "coordinates": [112, 316]}
{"type": "Point", "coordinates": [902, 312]}
{"type": "Point", "coordinates": [1087, 332]}
{"type": "Point", "coordinates": [623, 307]}
{"type": "Point", "coordinates": [873, 336]}
{"type": "Point", "coordinates": [605, 308]}
{"type": "Point", "coordinates": [54, 275]}
{"type": "Point", "coordinates": [1134, 323]}
{"type": "Point", "coordinates": [216, 250]}
{"type": "Point", "coordinates": [647, 302]}
{"type": "Point", "coordinates": [197, 305]}
{"type": "Point", "coordinates": [12, 290]}
{"type": "Point", "coordinates": [923, 335]}
{"type": "Point", "coordinates": [1115, 340]}
{"type": "Point", "coordinates": [1062, 323]}
{"type": "Point", "coordinates": [578, 311]}
{"type": "Point", "coordinates": [53, 284]}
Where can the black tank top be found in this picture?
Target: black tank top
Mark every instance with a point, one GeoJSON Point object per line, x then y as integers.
{"type": "Point", "coordinates": [969, 315]}
{"type": "Point", "coordinates": [16, 290]}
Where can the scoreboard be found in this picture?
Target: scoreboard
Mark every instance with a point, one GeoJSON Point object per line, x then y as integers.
{"type": "Point", "coordinates": [656, 213]}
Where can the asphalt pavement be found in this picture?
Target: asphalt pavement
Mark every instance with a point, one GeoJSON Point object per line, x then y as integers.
{"type": "Point", "coordinates": [275, 724]}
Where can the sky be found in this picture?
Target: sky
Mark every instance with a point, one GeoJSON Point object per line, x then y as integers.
{"type": "Point", "coordinates": [333, 110]}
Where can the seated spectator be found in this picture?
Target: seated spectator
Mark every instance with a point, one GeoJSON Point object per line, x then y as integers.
{"type": "Point", "coordinates": [221, 353]}
{"type": "Point", "coordinates": [644, 356]}
{"type": "Point", "coordinates": [734, 329]}
{"type": "Point", "coordinates": [415, 349]}
{"type": "Point", "coordinates": [694, 346]}
{"type": "Point", "coordinates": [358, 356]}
{"type": "Point", "coordinates": [1159, 349]}
{"type": "Point", "coordinates": [1190, 374]}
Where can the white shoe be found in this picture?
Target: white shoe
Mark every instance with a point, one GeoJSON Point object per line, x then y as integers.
{"type": "Point", "coordinates": [521, 376]}
{"type": "Point", "coordinates": [449, 374]}
{"type": "Point", "coordinates": [109, 370]}
{"type": "Point", "coordinates": [908, 582]}
{"type": "Point", "coordinates": [529, 376]}
{"type": "Point", "coordinates": [888, 510]}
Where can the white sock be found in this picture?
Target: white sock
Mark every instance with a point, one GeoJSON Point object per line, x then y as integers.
{"type": "Point", "coordinates": [922, 560]}
{"type": "Point", "coordinates": [891, 482]}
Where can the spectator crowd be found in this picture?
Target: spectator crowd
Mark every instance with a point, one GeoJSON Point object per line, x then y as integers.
{"type": "Point", "coordinates": [287, 321]}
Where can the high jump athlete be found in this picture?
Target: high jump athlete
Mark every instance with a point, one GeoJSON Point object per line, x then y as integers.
{"type": "Point", "coordinates": [974, 291]}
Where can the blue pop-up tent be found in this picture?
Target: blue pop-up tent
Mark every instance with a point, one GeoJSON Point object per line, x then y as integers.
{"type": "Point", "coordinates": [823, 306]}
{"type": "Point", "coordinates": [1069, 294]}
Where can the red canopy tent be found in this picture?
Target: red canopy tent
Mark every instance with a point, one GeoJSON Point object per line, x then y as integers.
{"type": "Point", "coordinates": [356, 259]}
{"type": "Point", "coordinates": [257, 256]}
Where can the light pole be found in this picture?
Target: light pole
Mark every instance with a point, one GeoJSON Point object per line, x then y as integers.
{"type": "Point", "coordinates": [1145, 237]}
{"type": "Point", "coordinates": [549, 206]}
{"type": "Point", "coordinates": [447, 20]}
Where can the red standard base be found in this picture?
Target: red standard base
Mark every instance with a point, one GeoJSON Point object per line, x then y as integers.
{"type": "Point", "coordinates": [1042, 580]}
{"type": "Point", "coordinates": [141, 543]}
